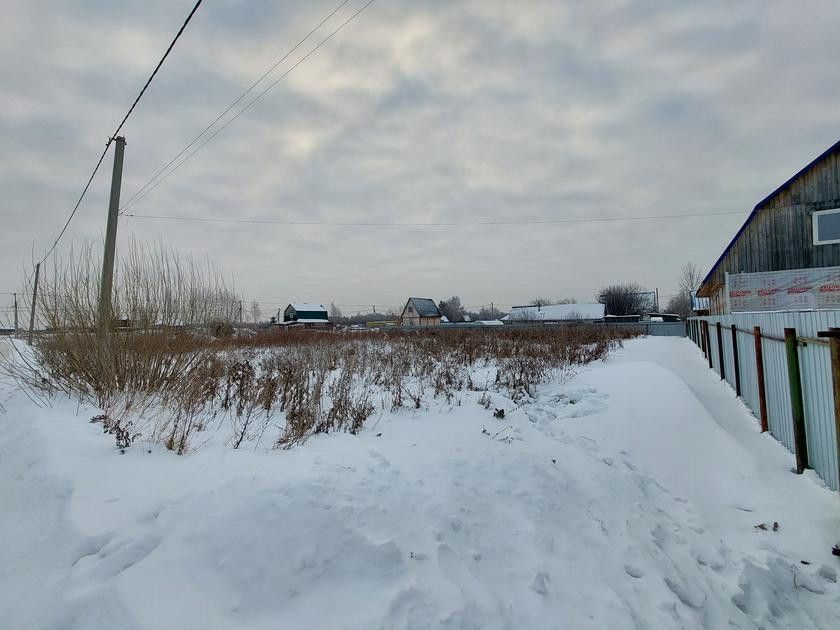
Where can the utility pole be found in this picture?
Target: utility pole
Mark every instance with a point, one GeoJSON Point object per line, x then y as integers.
{"type": "Point", "coordinates": [16, 318]}
{"type": "Point", "coordinates": [34, 300]}
{"type": "Point", "coordinates": [111, 237]}
{"type": "Point", "coordinates": [492, 311]}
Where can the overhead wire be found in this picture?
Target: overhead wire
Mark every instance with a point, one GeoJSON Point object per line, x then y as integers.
{"type": "Point", "coordinates": [510, 222]}
{"type": "Point", "coordinates": [138, 197]}
{"type": "Point", "coordinates": [141, 190]}
{"type": "Point", "coordinates": [118, 129]}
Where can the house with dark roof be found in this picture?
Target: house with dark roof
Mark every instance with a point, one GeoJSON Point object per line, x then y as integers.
{"type": "Point", "coordinates": [796, 227]}
{"type": "Point", "coordinates": [420, 312]}
{"type": "Point", "coordinates": [304, 315]}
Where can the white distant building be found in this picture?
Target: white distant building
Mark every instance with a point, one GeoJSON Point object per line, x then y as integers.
{"type": "Point", "coordinates": [556, 313]}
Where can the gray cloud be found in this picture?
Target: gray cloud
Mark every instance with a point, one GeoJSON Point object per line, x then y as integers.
{"type": "Point", "coordinates": [435, 111]}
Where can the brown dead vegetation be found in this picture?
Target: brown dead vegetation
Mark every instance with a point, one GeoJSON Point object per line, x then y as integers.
{"type": "Point", "coordinates": [168, 374]}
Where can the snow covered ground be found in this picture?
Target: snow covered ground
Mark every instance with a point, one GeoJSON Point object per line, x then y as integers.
{"type": "Point", "coordinates": [627, 497]}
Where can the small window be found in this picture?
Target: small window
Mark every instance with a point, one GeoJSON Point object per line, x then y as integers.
{"type": "Point", "coordinates": [827, 227]}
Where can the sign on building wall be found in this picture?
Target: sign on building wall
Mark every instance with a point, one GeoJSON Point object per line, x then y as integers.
{"type": "Point", "coordinates": [793, 290]}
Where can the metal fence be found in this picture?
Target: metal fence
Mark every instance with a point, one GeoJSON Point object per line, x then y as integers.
{"type": "Point", "coordinates": [750, 351]}
{"type": "Point", "coordinates": [654, 329]}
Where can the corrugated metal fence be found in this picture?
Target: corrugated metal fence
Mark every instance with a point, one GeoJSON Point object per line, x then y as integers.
{"type": "Point", "coordinates": [815, 370]}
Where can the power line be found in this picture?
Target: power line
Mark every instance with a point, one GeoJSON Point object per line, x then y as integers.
{"type": "Point", "coordinates": [138, 197]}
{"type": "Point", "coordinates": [78, 203]}
{"type": "Point", "coordinates": [511, 222]}
{"type": "Point", "coordinates": [157, 67]}
{"type": "Point", "coordinates": [119, 127]}
{"type": "Point", "coordinates": [141, 190]}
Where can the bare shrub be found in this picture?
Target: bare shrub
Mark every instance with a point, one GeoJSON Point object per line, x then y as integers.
{"type": "Point", "coordinates": [170, 369]}
{"type": "Point", "coordinates": [143, 354]}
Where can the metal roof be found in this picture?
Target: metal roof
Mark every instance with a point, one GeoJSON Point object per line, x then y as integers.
{"type": "Point", "coordinates": [557, 312]}
{"type": "Point", "coordinates": [699, 303]}
{"type": "Point", "coordinates": [763, 203]}
{"type": "Point", "coordinates": [303, 306]}
{"type": "Point", "coordinates": [425, 307]}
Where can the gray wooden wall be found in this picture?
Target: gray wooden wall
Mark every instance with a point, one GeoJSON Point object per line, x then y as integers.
{"type": "Point", "coordinates": [780, 236]}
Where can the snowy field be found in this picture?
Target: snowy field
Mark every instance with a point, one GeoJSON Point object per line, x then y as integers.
{"type": "Point", "coordinates": [627, 497]}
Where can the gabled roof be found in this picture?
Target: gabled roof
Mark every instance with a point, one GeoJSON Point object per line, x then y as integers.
{"type": "Point", "coordinates": [556, 312]}
{"type": "Point", "coordinates": [303, 306]}
{"type": "Point", "coordinates": [424, 307]}
{"type": "Point", "coordinates": [764, 202]}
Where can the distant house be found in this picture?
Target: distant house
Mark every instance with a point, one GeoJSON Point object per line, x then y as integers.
{"type": "Point", "coordinates": [786, 256]}
{"type": "Point", "coordinates": [477, 323]}
{"type": "Point", "coordinates": [662, 317]}
{"type": "Point", "coordinates": [622, 319]}
{"type": "Point", "coordinates": [555, 313]}
{"type": "Point", "coordinates": [420, 312]}
{"type": "Point", "coordinates": [303, 315]}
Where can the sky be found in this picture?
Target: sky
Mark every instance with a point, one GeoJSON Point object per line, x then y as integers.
{"type": "Point", "coordinates": [464, 112]}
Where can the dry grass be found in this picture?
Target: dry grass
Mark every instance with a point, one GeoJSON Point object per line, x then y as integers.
{"type": "Point", "coordinates": [169, 375]}
{"type": "Point", "coordinates": [293, 386]}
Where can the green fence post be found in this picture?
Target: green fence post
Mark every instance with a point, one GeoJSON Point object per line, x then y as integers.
{"type": "Point", "coordinates": [796, 405]}
{"type": "Point", "coordinates": [759, 369]}
{"type": "Point", "coordinates": [735, 360]}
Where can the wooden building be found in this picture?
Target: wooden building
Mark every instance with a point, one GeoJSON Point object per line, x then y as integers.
{"type": "Point", "coordinates": [302, 315]}
{"type": "Point", "coordinates": [420, 312]}
{"type": "Point", "coordinates": [797, 226]}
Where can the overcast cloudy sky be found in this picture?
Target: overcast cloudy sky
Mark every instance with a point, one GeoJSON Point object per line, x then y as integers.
{"type": "Point", "coordinates": [439, 111]}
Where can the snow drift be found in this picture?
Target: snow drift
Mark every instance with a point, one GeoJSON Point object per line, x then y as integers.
{"type": "Point", "coordinates": [620, 499]}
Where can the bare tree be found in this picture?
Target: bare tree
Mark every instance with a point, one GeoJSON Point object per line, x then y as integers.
{"type": "Point", "coordinates": [624, 299]}
{"type": "Point", "coordinates": [690, 278]}
{"type": "Point", "coordinates": [452, 309]}
{"type": "Point", "coordinates": [544, 301]}
{"type": "Point", "coordinates": [680, 304]}
{"type": "Point", "coordinates": [335, 312]}
{"type": "Point", "coordinates": [540, 301]}
{"type": "Point", "coordinates": [256, 311]}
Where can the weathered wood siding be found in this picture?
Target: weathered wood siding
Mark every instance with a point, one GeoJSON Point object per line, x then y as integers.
{"type": "Point", "coordinates": [780, 235]}
{"type": "Point", "coordinates": [414, 320]}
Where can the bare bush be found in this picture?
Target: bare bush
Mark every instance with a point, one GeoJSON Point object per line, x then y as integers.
{"type": "Point", "coordinates": [145, 352]}
{"type": "Point", "coordinates": [167, 374]}
{"type": "Point", "coordinates": [625, 299]}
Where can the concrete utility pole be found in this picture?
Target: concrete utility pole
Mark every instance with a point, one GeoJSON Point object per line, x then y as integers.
{"type": "Point", "coordinates": [34, 300]}
{"type": "Point", "coordinates": [111, 237]}
{"type": "Point", "coordinates": [16, 319]}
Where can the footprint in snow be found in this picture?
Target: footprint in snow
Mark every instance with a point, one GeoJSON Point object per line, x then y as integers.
{"type": "Point", "coordinates": [686, 593]}
{"type": "Point", "coordinates": [540, 583]}
{"type": "Point", "coordinates": [634, 571]}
